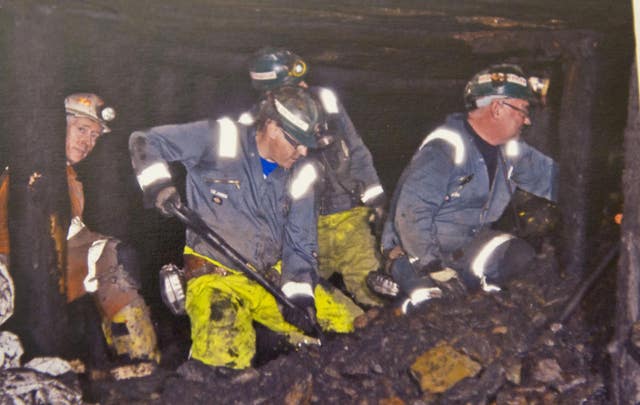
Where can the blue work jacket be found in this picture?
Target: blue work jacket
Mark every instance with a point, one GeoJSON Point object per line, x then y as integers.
{"type": "Point", "coordinates": [264, 218]}
{"type": "Point", "coordinates": [444, 197]}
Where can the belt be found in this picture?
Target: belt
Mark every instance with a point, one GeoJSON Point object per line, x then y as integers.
{"type": "Point", "coordinates": [337, 202]}
{"type": "Point", "coordinates": [195, 266]}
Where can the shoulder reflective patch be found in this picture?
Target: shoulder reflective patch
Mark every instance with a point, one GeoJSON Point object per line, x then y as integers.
{"type": "Point", "coordinates": [270, 75]}
{"type": "Point", "coordinates": [371, 193]}
{"type": "Point", "coordinates": [228, 139]}
{"type": "Point", "coordinates": [246, 118]}
{"type": "Point", "coordinates": [479, 263]}
{"type": "Point", "coordinates": [282, 110]}
{"type": "Point", "coordinates": [303, 181]}
{"type": "Point", "coordinates": [453, 138]}
{"type": "Point", "coordinates": [329, 101]}
{"type": "Point", "coordinates": [512, 148]}
{"type": "Point", "coordinates": [153, 173]}
{"type": "Point", "coordinates": [292, 288]}
{"type": "Point", "coordinates": [90, 282]}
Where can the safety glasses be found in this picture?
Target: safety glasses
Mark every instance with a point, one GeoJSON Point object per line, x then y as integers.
{"type": "Point", "coordinates": [292, 141]}
{"type": "Point", "coordinates": [525, 113]}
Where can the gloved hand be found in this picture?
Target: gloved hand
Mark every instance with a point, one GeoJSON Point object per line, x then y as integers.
{"type": "Point", "coordinates": [382, 284]}
{"type": "Point", "coordinates": [167, 199]}
{"type": "Point", "coordinates": [304, 315]}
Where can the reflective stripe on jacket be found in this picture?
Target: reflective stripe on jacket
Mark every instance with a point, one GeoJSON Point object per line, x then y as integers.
{"type": "Point", "coordinates": [264, 219]}
{"type": "Point", "coordinates": [444, 197]}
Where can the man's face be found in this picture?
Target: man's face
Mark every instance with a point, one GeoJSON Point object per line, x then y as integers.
{"type": "Point", "coordinates": [515, 115]}
{"type": "Point", "coordinates": [82, 134]}
{"type": "Point", "coordinates": [286, 150]}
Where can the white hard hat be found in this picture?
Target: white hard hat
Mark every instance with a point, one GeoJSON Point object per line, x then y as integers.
{"type": "Point", "coordinates": [90, 106]}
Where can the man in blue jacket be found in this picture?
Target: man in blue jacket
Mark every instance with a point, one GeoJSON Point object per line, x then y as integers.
{"type": "Point", "coordinates": [459, 182]}
{"type": "Point", "coordinates": [252, 187]}
{"type": "Point", "coordinates": [351, 197]}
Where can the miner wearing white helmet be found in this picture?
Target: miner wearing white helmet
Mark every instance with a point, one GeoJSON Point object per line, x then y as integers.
{"type": "Point", "coordinates": [96, 264]}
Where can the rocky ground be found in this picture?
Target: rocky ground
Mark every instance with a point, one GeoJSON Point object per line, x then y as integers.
{"type": "Point", "coordinates": [476, 348]}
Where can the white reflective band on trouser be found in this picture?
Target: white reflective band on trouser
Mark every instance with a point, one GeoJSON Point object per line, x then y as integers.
{"type": "Point", "coordinates": [76, 226]}
{"type": "Point", "coordinates": [512, 148]}
{"type": "Point", "coordinates": [329, 101]}
{"type": "Point", "coordinates": [478, 266]}
{"type": "Point", "coordinates": [371, 193]}
{"type": "Point", "coordinates": [95, 251]}
{"type": "Point", "coordinates": [246, 118]}
{"type": "Point", "coordinates": [418, 296]}
{"type": "Point", "coordinates": [303, 181]}
{"type": "Point", "coordinates": [292, 288]}
{"type": "Point", "coordinates": [153, 173]}
{"type": "Point", "coordinates": [228, 145]}
{"type": "Point", "coordinates": [452, 138]}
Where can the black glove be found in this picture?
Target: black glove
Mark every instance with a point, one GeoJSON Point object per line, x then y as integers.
{"type": "Point", "coordinates": [166, 200]}
{"type": "Point", "coordinates": [303, 316]}
{"type": "Point", "coordinates": [382, 284]}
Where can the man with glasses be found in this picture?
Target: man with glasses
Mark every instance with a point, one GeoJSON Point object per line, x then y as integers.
{"type": "Point", "coordinates": [352, 198]}
{"type": "Point", "coordinates": [251, 185]}
{"type": "Point", "coordinates": [458, 184]}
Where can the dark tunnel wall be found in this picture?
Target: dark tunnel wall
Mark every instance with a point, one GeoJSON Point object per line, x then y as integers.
{"type": "Point", "coordinates": [397, 76]}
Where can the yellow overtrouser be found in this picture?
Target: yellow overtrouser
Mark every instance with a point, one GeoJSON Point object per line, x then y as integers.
{"type": "Point", "coordinates": [130, 332]}
{"type": "Point", "coordinates": [222, 308]}
{"type": "Point", "coordinates": [347, 246]}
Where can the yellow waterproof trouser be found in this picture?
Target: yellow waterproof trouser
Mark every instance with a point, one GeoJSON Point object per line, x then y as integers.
{"type": "Point", "coordinates": [222, 308]}
{"type": "Point", "coordinates": [130, 332]}
{"type": "Point", "coordinates": [347, 246]}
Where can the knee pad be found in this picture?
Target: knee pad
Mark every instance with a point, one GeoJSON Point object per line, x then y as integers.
{"type": "Point", "coordinates": [495, 256]}
{"type": "Point", "coordinates": [130, 333]}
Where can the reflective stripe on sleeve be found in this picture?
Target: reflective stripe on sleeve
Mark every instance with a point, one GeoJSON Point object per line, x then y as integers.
{"type": "Point", "coordinates": [228, 145]}
{"type": "Point", "coordinates": [95, 251]}
{"type": "Point", "coordinates": [153, 173]}
{"type": "Point", "coordinates": [292, 288]}
{"type": "Point", "coordinates": [453, 138]}
{"type": "Point", "coordinates": [303, 181]}
{"type": "Point", "coordinates": [329, 101]}
{"type": "Point", "coordinates": [371, 193]}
